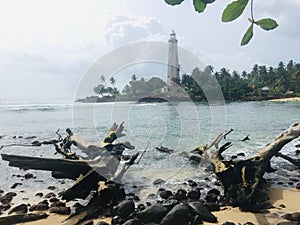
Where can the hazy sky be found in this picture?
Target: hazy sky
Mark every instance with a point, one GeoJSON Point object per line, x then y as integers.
{"type": "Point", "coordinates": [47, 46]}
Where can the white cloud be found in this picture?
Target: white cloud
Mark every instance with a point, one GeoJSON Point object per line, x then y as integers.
{"type": "Point", "coordinates": [122, 30]}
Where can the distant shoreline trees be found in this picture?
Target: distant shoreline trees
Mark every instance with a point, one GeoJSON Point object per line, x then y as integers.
{"type": "Point", "coordinates": [261, 83]}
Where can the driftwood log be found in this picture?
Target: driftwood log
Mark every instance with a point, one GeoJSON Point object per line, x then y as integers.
{"type": "Point", "coordinates": [241, 178]}
{"type": "Point", "coordinates": [296, 162]}
{"type": "Point", "coordinates": [102, 162]}
{"type": "Point", "coordinates": [22, 218]}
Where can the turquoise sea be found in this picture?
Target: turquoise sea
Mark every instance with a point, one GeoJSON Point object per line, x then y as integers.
{"type": "Point", "coordinates": [181, 126]}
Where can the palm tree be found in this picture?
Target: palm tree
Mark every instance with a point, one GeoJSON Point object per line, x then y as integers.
{"type": "Point", "coordinates": [103, 80]}
{"type": "Point", "coordinates": [112, 81]}
{"type": "Point", "coordinates": [133, 77]}
{"type": "Point", "coordinates": [100, 89]}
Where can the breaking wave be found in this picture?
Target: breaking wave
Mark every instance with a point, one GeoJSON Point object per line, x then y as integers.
{"type": "Point", "coordinates": [34, 106]}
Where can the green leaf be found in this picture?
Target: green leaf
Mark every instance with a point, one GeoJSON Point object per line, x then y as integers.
{"type": "Point", "coordinates": [267, 24]}
{"type": "Point", "coordinates": [207, 1]}
{"type": "Point", "coordinates": [234, 10]}
{"type": "Point", "coordinates": [248, 35]}
{"type": "Point", "coordinates": [199, 5]}
{"type": "Point", "coordinates": [174, 2]}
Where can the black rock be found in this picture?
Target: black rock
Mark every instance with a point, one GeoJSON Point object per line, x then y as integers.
{"type": "Point", "coordinates": [228, 223]}
{"type": "Point", "coordinates": [11, 194]}
{"type": "Point", "coordinates": [234, 157]}
{"type": "Point", "coordinates": [15, 185]}
{"type": "Point", "coordinates": [195, 159]}
{"type": "Point", "coordinates": [51, 188]}
{"type": "Point", "coordinates": [194, 194]}
{"type": "Point", "coordinates": [124, 209]}
{"type": "Point", "coordinates": [212, 206]}
{"type": "Point", "coordinates": [248, 223]}
{"type": "Point", "coordinates": [116, 220]}
{"type": "Point", "coordinates": [4, 207]}
{"type": "Point", "coordinates": [19, 209]}
{"type": "Point", "coordinates": [54, 200]}
{"type": "Point", "coordinates": [132, 222]}
{"type": "Point", "coordinates": [211, 198]}
{"type": "Point", "coordinates": [294, 179]}
{"type": "Point", "coordinates": [170, 203]}
{"type": "Point", "coordinates": [136, 198]}
{"type": "Point", "coordinates": [179, 215]}
{"type": "Point", "coordinates": [192, 183]}
{"type": "Point", "coordinates": [58, 204]}
{"type": "Point", "coordinates": [165, 194]}
{"type": "Point", "coordinates": [5, 200]}
{"type": "Point", "coordinates": [50, 195]}
{"type": "Point", "coordinates": [39, 207]}
{"type": "Point", "coordinates": [199, 209]}
{"type": "Point", "coordinates": [241, 154]}
{"type": "Point", "coordinates": [282, 206]}
{"type": "Point", "coordinates": [159, 181]}
{"type": "Point", "coordinates": [62, 210]}
{"type": "Point", "coordinates": [286, 223]}
{"type": "Point", "coordinates": [39, 194]}
{"type": "Point", "coordinates": [102, 223]}
{"type": "Point", "coordinates": [153, 214]}
{"type": "Point", "coordinates": [295, 216]}
{"type": "Point", "coordinates": [180, 195]}
{"type": "Point", "coordinates": [197, 220]}
{"type": "Point", "coordinates": [298, 186]}
{"type": "Point", "coordinates": [214, 192]}
{"type": "Point", "coordinates": [28, 175]}
{"type": "Point", "coordinates": [141, 207]}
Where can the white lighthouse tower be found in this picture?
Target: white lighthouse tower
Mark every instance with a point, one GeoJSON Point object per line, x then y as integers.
{"type": "Point", "coordinates": [173, 65]}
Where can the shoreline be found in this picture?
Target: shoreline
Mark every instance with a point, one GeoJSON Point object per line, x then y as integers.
{"type": "Point", "coordinates": [292, 99]}
{"type": "Point", "coordinates": [176, 98]}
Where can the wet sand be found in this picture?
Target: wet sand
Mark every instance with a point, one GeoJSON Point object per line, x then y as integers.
{"type": "Point", "coordinates": [284, 200]}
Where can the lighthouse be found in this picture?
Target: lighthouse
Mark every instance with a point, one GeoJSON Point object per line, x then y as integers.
{"type": "Point", "coordinates": [173, 65]}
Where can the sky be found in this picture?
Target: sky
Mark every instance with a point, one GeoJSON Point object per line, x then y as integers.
{"type": "Point", "coordinates": [47, 47]}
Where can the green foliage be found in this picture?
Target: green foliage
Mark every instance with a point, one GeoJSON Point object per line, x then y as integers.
{"type": "Point", "coordinates": [247, 36]}
{"type": "Point", "coordinates": [258, 84]}
{"type": "Point", "coordinates": [267, 24]}
{"type": "Point", "coordinates": [207, 1]}
{"type": "Point", "coordinates": [199, 5]}
{"type": "Point", "coordinates": [104, 90]}
{"type": "Point", "coordinates": [234, 10]}
{"type": "Point", "coordinates": [142, 87]}
{"type": "Point", "coordinates": [174, 2]}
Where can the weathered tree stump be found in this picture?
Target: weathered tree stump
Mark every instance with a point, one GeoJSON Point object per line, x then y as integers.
{"type": "Point", "coordinates": [241, 178]}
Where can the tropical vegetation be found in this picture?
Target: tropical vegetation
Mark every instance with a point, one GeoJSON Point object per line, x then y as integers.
{"type": "Point", "coordinates": [261, 83]}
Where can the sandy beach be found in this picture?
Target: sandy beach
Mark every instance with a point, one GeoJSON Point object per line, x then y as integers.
{"type": "Point", "coordinates": [284, 201]}
{"type": "Point", "coordinates": [295, 99]}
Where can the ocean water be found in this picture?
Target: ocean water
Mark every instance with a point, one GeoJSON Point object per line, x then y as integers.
{"type": "Point", "coordinates": [180, 126]}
